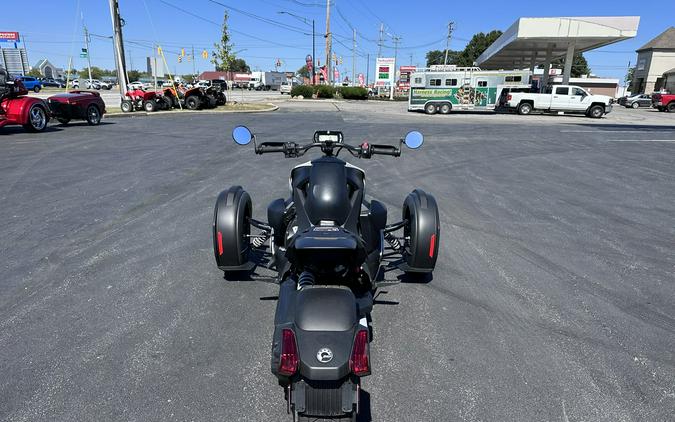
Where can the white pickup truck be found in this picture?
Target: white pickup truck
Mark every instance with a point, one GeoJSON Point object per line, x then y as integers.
{"type": "Point", "coordinates": [565, 98]}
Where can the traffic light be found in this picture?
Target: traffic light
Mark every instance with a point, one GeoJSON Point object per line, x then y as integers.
{"type": "Point", "coordinates": [205, 54]}
{"type": "Point", "coordinates": [340, 59]}
{"type": "Point", "coordinates": [180, 59]}
{"type": "Point", "coordinates": [159, 51]}
{"type": "Point", "coordinates": [182, 52]}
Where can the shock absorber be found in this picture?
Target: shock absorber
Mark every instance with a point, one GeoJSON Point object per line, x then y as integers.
{"type": "Point", "coordinates": [306, 279]}
{"type": "Point", "coordinates": [393, 241]}
{"type": "Point", "coordinates": [259, 240]}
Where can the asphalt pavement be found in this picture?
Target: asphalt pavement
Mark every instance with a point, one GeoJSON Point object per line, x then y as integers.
{"type": "Point", "coordinates": [552, 299]}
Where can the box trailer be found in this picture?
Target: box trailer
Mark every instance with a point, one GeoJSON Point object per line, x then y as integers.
{"type": "Point", "coordinates": [266, 81]}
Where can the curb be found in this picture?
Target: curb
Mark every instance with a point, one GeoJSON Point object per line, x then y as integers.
{"type": "Point", "coordinates": [272, 107]}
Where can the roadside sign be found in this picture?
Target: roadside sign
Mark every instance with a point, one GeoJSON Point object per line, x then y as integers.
{"type": "Point", "coordinates": [83, 55]}
{"type": "Point", "coordinates": [308, 61]}
{"type": "Point", "coordinates": [385, 71]}
{"type": "Point", "coordinates": [361, 79]}
{"type": "Point", "coordinates": [336, 74]}
{"type": "Point", "coordinates": [9, 36]}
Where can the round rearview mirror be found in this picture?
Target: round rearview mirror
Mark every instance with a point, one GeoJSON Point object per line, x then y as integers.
{"type": "Point", "coordinates": [414, 139]}
{"type": "Point", "coordinates": [242, 135]}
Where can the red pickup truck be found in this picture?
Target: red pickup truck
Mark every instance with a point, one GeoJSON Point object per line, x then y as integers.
{"type": "Point", "coordinates": [664, 102]}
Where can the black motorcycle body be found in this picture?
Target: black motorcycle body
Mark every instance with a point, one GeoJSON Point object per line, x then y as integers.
{"type": "Point", "coordinates": [327, 244]}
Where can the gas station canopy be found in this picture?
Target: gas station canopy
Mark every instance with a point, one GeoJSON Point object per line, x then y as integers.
{"type": "Point", "coordinates": [533, 41]}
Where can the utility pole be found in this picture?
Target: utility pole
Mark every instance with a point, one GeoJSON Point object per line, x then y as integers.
{"type": "Point", "coordinates": [354, 58]}
{"type": "Point", "coordinates": [120, 63]}
{"type": "Point", "coordinates": [451, 27]}
{"type": "Point", "coordinates": [86, 43]}
{"type": "Point", "coordinates": [194, 72]}
{"type": "Point", "coordinates": [367, 69]}
{"type": "Point", "coordinates": [154, 70]}
{"type": "Point", "coordinates": [313, 55]}
{"type": "Point", "coordinates": [329, 45]}
{"type": "Point", "coordinates": [380, 40]}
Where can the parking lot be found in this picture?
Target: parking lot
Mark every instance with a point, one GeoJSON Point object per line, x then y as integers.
{"type": "Point", "coordinates": [552, 298]}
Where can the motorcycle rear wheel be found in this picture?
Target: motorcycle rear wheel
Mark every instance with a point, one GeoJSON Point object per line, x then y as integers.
{"type": "Point", "coordinates": [297, 417]}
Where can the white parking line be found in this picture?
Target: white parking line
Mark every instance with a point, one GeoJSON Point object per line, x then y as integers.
{"type": "Point", "coordinates": [641, 140]}
{"type": "Point", "coordinates": [614, 130]}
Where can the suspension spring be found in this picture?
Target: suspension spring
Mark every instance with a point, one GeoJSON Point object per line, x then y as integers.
{"type": "Point", "coordinates": [393, 241]}
{"type": "Point", "coordinates": [260, 240]}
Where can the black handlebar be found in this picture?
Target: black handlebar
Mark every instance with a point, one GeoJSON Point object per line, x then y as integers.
{"type": "Point", "coordinates": [293, 150]}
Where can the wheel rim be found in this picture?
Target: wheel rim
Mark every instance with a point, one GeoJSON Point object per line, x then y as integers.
{"type": "Point", "coordinates": [94, 115]}
{"type": "Point", "coordinates": [635, 105]}
{"type": "Point", "coordinates": [597, 112]}
{"type": "Point", "coordinates": [37, 118]}
{"type": "Point", "coordinates": [431, 108]}
{"type": "Point", "coordinates": [445, 109]}
{"type": "Point", "coordinates": [525, 109]}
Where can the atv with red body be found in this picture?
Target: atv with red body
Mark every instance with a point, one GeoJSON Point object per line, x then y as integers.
{"type": "Point", "coordinates": [17, 109]}
{"type": "Point", "coordinates": [138, 99]}
{"type": "Point", "coordinates": [84, 105]}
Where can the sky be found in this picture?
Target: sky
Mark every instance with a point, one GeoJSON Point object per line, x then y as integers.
{"type": "Point", "coordinates": [261, 34]}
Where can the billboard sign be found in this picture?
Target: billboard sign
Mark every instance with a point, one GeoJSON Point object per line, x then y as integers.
{"type": "Point", "coordinates": [385, 71]}
{"type": "Point", "coordinates": [336, 74]}
{"type": "Point", "coordinates": [361, 79]}
{"type": "Point", "coordinates": [9, 36]}
{"type": "Point", "coordinates": [309, 61]}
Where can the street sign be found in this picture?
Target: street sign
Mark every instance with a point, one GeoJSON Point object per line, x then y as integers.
{"type": "Point", "coordinates": [83, 55]}
{"type": "Point", "coordinates": [9, 36]}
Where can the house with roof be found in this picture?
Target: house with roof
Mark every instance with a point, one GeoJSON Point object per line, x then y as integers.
{"type": "Point", "coordinates": [48, 70]}
{"type": "Point", "coordinates": [655, 58]}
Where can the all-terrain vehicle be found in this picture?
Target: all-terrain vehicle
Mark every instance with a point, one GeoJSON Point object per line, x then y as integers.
{"type": "Point", "coordinates": [195, 98]}
{"type": "Point", "coordinates": [17, 109]}
{"type": "Point", "coordinates": [84, 105]}
{"type": "Point", "coordinates": [139, 99]}
{"type": "Point", "coordinates": [329, 246]}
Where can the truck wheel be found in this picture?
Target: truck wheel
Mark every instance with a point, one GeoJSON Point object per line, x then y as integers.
{"type": "Point", "coordinates": [524, 109]}
{"type": "Point", "coordinates": [635, 105]}
{"type": "Point", "coordinates": [126, 106]}
{"type": "Point", "coordinates": [36, 88]}
{"type": "Point", "coordinates": [445, 108]}
{"type": "Point", "coordinates": [192, 102]}
{"type": "Point", "coordinates": [422, 231]}
{"type": "Point", "coordinates": [150, 106]}
{"type": "Point", "coordinates": [93, 115]}
{"type": "Point", "coordinates": [231, 230]}
{"type": "Point", "coordinates": [37, 119]}
{"type": "Point", "coordinates": [596, 111]}
{"type": "Point", "coordinates": [671, 107]}
{"type": "Point", "coordinates": [430, 108]}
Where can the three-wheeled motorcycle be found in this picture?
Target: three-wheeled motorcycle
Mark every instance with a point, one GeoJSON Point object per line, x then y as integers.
{"type": "Point", "coordinates": [326, 243]}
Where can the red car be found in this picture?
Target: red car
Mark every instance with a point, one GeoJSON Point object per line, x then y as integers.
{"type": "Point", "coordinates": [83, 105]}
{"type": "Point", "coordinates": [664, 102]}
{"type": "Point", "coordinates": [17, 109]}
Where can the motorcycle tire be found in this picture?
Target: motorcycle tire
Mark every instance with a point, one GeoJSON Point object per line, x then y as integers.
{"type": "Point", "coordinates": [423, 231]}
{"type": "Point", "coordinates": [231, 230]}
{"type": "Point", "coordinates": [347, 418]}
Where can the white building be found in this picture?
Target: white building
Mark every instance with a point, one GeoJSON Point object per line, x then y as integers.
{"type": "Point", "coordinates": [654, 59]}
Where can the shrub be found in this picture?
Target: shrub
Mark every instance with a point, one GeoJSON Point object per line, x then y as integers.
{"type": "Point", "coordinates": [304, 90]}
{"type": "Point", "coordinates": [325, 91]}
{"type": "Point", "coordinates": [354, 93]}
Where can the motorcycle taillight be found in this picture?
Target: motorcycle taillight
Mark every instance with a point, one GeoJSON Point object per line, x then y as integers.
{"type": "Point", "coordinates": [288, 363]}
{"type": "Point", "coordinates": [358, 363]}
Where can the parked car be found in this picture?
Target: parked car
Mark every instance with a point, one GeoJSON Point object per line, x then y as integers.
{"type": "Point", "coordinates": [107, 85]}
{"type": "Point", "coordinates": [636, 101]}
{"type": "Point", "coordinates": [31, 83]}
{"type": "Point", "coordinates": [285, 88]}
{"type": "Point", "coordinates": [565, 98]}
{"type": "Point", "coordinates": [135, 85]}
{"type": "Point", "coordinates": [55, 83]}
{"type": "Point", "coordinates": [85, 105]}
{"type": "Point", "coordinates": [664, 102]}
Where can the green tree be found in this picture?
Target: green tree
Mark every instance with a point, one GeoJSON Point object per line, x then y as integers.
{"type": "Point", "coordinates": [239, 65]}
{"type": "Point", "coordinates": [134, 75]}
{"type": "Point", "coordinates": [579, 65]}
{"type": "Point", "coordinates": [629, 76]}
{"type": "Point", "coordinates": [96, 73]}
{"type": "Point", "coordinates": [304, 72]}
{"type": "Point", "coordinates": [438, 57]}
{"type": "Point", "coordinates": [478, 44]}
{"type": "Point", "coordinates": [222, 56]}
{"type": "Point", "coordinates": [35, 72]}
